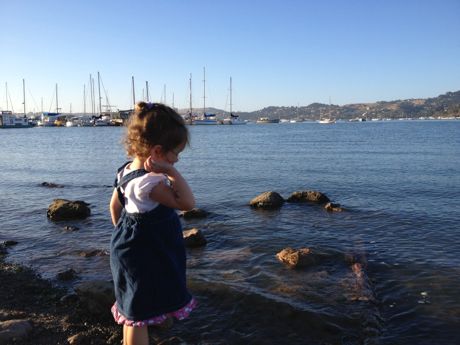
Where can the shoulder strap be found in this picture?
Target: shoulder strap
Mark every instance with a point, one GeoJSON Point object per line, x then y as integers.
{"type": "Point", "coordinates": [126, 179]}
{"type": "Point", "coordinates": [120, 169]}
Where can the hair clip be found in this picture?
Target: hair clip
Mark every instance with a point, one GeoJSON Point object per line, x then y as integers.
{"type": "Point", "coordinates": [150, 106]}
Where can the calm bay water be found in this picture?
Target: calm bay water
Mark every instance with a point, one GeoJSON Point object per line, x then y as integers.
{"type": "Point", "coordinates": [400, 184]}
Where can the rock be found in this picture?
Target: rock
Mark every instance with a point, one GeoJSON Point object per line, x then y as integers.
{"type": "Point", "coordinates": [71, 228]}
{"type": "Point", "coordinates": [78, 339]}
{"type": "Point", "coordinates": [61, 209]}
{"type": "Point", "coordinates": [195, 213]}
{"type": "Point", "coordinates": [331, 207]}
{"type": "Point", "coordinates": [361, 288]}
{"type": "Point", "coordinates": [51, 185]}
{"type": "Point", "coordinates": [308, 196]}
{"type": "Point", "coordinates": [9, 243]}
{"type": "Point", "coordinates": [67, 275]}
{"type": "Point", "coordinates": [114, 339]}
{"type": "Point", "coordinates": [97, 296]}
{"type": "Point", "coordinates": [69, 299]}
{"type": "Point", "coordinates": [14, 329]}
{"type": "Point", "coordinates": [93, 252]}
{"type": "Point", "coordinates": [267, 200]}
{"type": "Point", "coordinates": [194, 238]}
{"type": "Point", "coordinates": [296, 258]}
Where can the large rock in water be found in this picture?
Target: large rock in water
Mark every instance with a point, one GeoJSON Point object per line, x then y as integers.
{"type": "Point", "coordinates": [194, 213]}
{"type": "Point", "coordinates": [308, 196]}
{"type": "Point", "coordinates": [296, 257]}
{"type": "Point", "coordinates": [267, 200]}
{"type": "Point", "coordinates": [61, 209]}
{"type": "Point", "coordinates": [193, 238]}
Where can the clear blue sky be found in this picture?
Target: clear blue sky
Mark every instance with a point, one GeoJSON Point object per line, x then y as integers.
{"type": "Point", "coordinates": [281, 53]}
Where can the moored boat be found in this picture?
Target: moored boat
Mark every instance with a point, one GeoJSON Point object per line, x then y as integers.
{"type": "Point", "coordinates": [205, 119]}
{"type": "Point", "coordinates": [263, 120]}
{"type": "Point", "coordinates": [326, 121]}
{"type": "Point", "coordinates": [9, 120]}
{"type": "Point", "coordinates": [233, 119]}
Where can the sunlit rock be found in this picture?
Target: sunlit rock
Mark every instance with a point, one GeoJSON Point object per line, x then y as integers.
{"type": "Point", "coordinates": [332, 207]}
{"type": "Point", "coordinates": [61, 209]}
{"type": "Point", "coordinates": [194, 213]}
{"type": "Point", "coordinates": [294, 258]}
{"type": "Point", "coordinates": [267, 200]}
{"type": "Point", "coordinates": [308, 196]}
{"type": "Point", "coordinates": [194, 238]}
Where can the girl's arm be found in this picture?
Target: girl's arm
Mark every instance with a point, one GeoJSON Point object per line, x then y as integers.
{"type": "Point", "coordinates": [115, 207]}
{"type": "Point", "coordinates": [178, 195]}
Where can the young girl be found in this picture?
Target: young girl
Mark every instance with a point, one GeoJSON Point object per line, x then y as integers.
{"type": "Point", "coordinates": [147, 254]}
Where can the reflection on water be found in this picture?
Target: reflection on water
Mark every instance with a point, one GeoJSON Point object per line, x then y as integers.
{"type": "Point", "coordinates": [389, 267]}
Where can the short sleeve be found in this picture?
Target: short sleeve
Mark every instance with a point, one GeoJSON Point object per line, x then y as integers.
{"type": "Point", "coordinates": [146, 184]}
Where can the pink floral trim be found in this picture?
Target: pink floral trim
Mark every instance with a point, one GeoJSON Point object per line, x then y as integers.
{"type": "Point", "coordinates": [180, 314]}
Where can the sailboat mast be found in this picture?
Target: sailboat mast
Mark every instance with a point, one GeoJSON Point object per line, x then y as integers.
{"type": "Point", "coordinates": [24, 95]}
{"type": "Point", "coordinates": [6, 95]}
{"type": "Point", "coordinates": [99, 92]}
{"type": "Point", "coordinates": [190, 101]}
{"type": "Point", "coordinates": [147, 90]}
{"type": "Point", "coordinates": [134, 93]}
{"type": "Point", "coordinates": [230, 96]}
{"type": "Point", "coordinates": [57, 102]}
{"type": "Point", "coordinates": [84, 99]}
{"type": "Point", "coordinates": [204, 90]}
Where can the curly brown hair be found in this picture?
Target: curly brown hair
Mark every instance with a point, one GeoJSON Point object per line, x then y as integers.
{"type": "Point", "coordinates": [154, 124]}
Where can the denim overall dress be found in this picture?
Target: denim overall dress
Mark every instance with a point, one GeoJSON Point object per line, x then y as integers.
{"type": "Point", "coordinates": [147, 259]}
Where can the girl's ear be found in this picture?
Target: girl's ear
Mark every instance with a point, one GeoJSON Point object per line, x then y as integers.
{"type": "Point", "coordinates": [156, 152]}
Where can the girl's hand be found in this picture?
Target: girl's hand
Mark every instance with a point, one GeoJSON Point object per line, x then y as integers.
{"type": "Point", "coordinates": [158, 167]}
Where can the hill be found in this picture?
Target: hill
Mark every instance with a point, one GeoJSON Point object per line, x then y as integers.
{"type": "Point", "coordinates": [446, 105]}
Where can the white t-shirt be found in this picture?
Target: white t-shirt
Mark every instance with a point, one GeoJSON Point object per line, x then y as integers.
{"type": "Point", "coordinates": [137, 199]}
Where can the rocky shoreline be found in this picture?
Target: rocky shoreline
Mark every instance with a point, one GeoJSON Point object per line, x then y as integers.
{"type": "Point", "coordinates": [33, 311]}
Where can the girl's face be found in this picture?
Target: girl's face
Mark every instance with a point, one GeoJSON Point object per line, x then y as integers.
{"type": "Point", "coordinates": [171, 156]}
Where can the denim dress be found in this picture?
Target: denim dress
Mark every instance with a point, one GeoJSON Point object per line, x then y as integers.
{"type": "Point", "coordinates": [147, 259]}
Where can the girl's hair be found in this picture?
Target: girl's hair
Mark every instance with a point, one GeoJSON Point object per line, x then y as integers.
{"type": "Point", "coordinates": [154, 124]}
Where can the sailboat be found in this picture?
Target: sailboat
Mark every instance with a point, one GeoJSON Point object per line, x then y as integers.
{"type": "Point", "coordinates": [327, 120]}
{"type": "Point", "coordinates": [8, 119]}
{"type": "Point", "coordinates": [49, 119]}
{"type": "Point", "coordinates": [205, 119]}
{"type": "Point", "coordinates": [234, 119]}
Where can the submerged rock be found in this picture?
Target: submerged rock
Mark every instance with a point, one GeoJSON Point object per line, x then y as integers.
{"type": "Point", "coordinates": [195, 213]}
{"type": "Point", "coordinates": [67, 275]}
{"type": "Point", "coordinates": [93, 252]}
{"type": "Point", "coordinates": [8, 243]}
{"type": "Point", "coordinates": [61, 209]}
{"type": "Point", "coordinates": [71, 228]}
{"type": "Point", "coordinates": [308, 196]}
{"type": "Point", "coordinates": [51, 185]}
{"type": "Point", "coordinates": [361, 289]}
{"type": "Point", "coordinates": [194, 238]}
{"type": "Point", "coordinates": [267, 200]}
{"type": "Point", "coordinates": [296, 257]}
{"type": "Point", "coordinates": [331, 207]}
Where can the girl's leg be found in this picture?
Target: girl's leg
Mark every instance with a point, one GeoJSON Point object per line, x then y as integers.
{"type": "Point", "coordinates": [135, 335]}
{"type": "Point", "coordinates": [124, 334]}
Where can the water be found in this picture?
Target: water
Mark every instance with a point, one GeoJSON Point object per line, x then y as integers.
{"type": "Point", "coordinates": [399, 182]}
